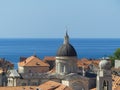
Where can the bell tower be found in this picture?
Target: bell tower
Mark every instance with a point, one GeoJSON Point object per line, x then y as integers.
{"type": "Point", "coordinates": [104, 77]}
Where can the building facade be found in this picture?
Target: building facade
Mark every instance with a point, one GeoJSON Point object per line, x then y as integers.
{"type": "Point", "coordinates": [31, 71]}
{"type": "Point", "coordinates": [104, 76]}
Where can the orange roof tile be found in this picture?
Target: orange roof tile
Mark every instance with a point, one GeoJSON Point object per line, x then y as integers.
{"type": "Point", "coordinates": [93, 89]}
{"type": "Point", "coordinates": [52, 85]}
{"type": "Point", "coordinates": [49, 58]}
{"type": "Point", "coordinates": [63, 87]}
{"type": "Point", "coordinates": [33, 61]}
{"type": "Point", "coordinates": [116, 82]}
{"type": "Point", "coordinates": [18, 88]}
{"type": "Point", "coordinates": [85, 62]}
{"type": "Point", "coordinates": [117, 88]}
{"type": "Point", "coordinates": [49, 85]}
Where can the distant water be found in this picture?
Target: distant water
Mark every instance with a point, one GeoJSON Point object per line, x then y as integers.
{"type": "Point", "coordinates": [12, 49]}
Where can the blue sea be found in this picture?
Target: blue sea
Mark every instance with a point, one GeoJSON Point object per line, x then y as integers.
{"type": "Point", "coordinates": [13, 49]}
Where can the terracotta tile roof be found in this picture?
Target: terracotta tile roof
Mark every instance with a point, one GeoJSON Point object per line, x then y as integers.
{"type": "Point", "coordinates": [49, 58]}
{"type": "Point", "coordinates": [93, 89]}
{"type": "Point", "coordinates": [63, 87]}
{"type": "Point", "coordinates": [116, 82]}
{"type": "Point", "coordinates": [52, 85]}
{"type": "Point", "coordinates": [33, 61]}
{"type": "Point", "coordinates": [19, 88]}
{"type": "Point", "coordinates": [117, 88]}
{"type": "Point", "coordinates": [85, 62]}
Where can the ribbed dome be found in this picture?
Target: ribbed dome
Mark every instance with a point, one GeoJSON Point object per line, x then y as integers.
{"type": "Point", "coordinates": [66, 49]}
{"type": "Point", "coordinates": [104, 64]}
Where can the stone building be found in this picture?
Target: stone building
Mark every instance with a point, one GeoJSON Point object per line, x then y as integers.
{"type": "Point", "coordinates": [67, 69]}
{"type": "Point", "coordinates": [3, 78]}
{"type": "Point", "coordinates": [104, 76]}
{"type": "Point", "coordinates": [49, 85]}
{"type": "Point", "coordinates": [117, 63]}
{"type": "Point", "coordinates": [12, 78]}
{"type": "Point", "coordinates": [30, 72]}
{"type": "Point", "coordinates": [32, 65]}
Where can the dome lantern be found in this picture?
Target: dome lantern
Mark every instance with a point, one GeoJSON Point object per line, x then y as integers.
{"type": "Point", "coordinates": [66, 48]}
{"type": "Point", "coordinates": [66, 38]}
{"type": "Point", "coordinates": [104, 64]}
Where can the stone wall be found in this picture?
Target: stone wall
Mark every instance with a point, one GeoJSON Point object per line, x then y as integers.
{"type": "Point", "coordinates": [33, 69]}
{"type": "Point", "coordinates": [117, 63]}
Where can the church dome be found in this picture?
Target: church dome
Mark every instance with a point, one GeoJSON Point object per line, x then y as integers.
{"type": "Point", "coordinates": [66, 49]}
{"type": "Point", "coordinates": [104, 64]}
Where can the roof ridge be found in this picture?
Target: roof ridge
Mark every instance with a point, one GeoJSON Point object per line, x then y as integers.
{"type": "Point", "coordinates": [38, 60]}
{"type": "Point", "coordinates": [33, 61]}
{"type": "Point", "coordinates": [30, 59]}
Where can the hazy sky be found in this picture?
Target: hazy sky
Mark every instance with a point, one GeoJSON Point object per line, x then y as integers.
{"type": "Point", "coordinates": [48, 18]}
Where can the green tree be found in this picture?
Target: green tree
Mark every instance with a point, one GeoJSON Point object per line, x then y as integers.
{"type": "Point", "coordinates": [112, 58]}
{"type": "Point", "coordinates": [115, 56]}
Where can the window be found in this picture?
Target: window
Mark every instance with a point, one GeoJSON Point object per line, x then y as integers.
{"type": "Point", "coordinates": [29, 71]}
{"type": "Point", "coordinates": [23, 84]}
{"type": "Point", "coordinates": [34, 83]}
{"type": "Point", "coordinates": [105, 85]}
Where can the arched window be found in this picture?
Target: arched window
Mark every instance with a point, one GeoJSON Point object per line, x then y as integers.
{"type": "Point", "coordinates": [105, 85]}
{"type": "Point", "coordinates": [78, 86]}
{"type": "Point", "coordinates": [64, 69]}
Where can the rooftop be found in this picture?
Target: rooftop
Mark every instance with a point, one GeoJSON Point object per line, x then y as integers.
{"type": "Point", "coordinates": [19, 88]}
{"type": "Point", "coordinates": [52, 85]}
{"type": "Point", "coordinates": [13, 73]}
{"type": "Point", "coordinates": [86, 62]}
{"type": "Point", "coordinates": [49, 58]}
{"type": "Point", "coordinates": [33, 61]}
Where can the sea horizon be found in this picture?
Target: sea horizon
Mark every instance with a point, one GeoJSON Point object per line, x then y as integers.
{"type": "Point", "coordinates": [57, 38]}
{"type": "Point", "coordinates": [14, 48]}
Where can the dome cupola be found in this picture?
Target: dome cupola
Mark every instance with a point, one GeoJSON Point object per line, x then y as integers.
{"type": "Point", "coordinates": [66, 49]}
{"type": "Point", "coordinates": [104, 64]}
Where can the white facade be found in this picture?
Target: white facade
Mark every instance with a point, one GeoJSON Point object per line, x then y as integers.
{"type": "Point", "coordinates": [66, 65]}
{"type": "Point", "coordinates": [104, 77]}
{"type": "Point", "coordinates": [20, 69]}
{"type": "Point", "coordinates": [117, 63]}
